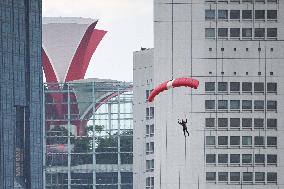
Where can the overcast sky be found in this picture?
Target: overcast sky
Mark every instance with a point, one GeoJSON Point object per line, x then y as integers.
{"type": "Point", "coordinates": [129, 24]}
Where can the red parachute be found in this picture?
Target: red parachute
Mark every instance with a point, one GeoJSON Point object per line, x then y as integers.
{"type": "Point", "coordinates": [179, 82]}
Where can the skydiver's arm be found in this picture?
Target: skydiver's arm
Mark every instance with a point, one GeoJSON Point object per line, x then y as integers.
{"type": "Point", "coordinates": [185, 120]}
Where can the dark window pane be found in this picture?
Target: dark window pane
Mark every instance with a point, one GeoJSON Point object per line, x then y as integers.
{"type": "Point", "coordinates": [210, 122]}
{"type": "Point", "coordinates": [222, 158]}
{"type": "Point", "coordinates": [259, 158]}
{"type": "Point", "coordinates": [222, 86]}
{"type": "Point", "coordinates": [210, 176]}
{"type": "Point", "coordinates": [271, 105]}
{"type": "Point", "coordinates": [210, 86]}
{"type": "Point", "coordinates": [246, 104]}
{"type": "Point", "coordinates": [235, 122]}
{"type": "Point", "coordinates": [235, 14]}
{"type": "Point", "coordinates": [247, 122]}
{"type": "Point", "coordinates": [222, 104]}
{"type": "Point", "coordinates": [234, 104]}
{"type": "Point", "coordinates": [259, 141]}
{"type": "Point", "coordinates": [235, 32]}
{"type": "Point", "coordinates": [209, 14]}
{"type": "Point", "coordinates": [247, 14]}
{"type": "Point", "coordinates": [259, 32]}
{"type": "Point", "coordinates": [258, 123]}
{"type": "Point", "coordinates": [223, 176]}
{"type": "Point", "coordinates": [246, 86]}
{"type": "Point", "coordinates": [271, 123]}
{"type": "Point", "coordinates": [272, 87]}
{"type": "Point", "coordinates": [234, 86]}
{"type": "Point", "coordinates": [210, 158]}
{"type": "Point", "coordinates": [271, 141]}
{"type": "Point", "coordinates": [223, 122]}
{"type": "Point", "coordinates": [235, 158]}
{"type": "Point", "coordinates": [210, 140]}
{"type": "Point", "coordinates": [260, 14]}
{"type": "Point", "coordinates": [247, 140]}
{"type": "Point", "coordinates": [272, 14]}
{"type": "Point", "coordinates": [247, 158]}
{"type": "Point", "coordinates": [209, 32]}
{"type": "Point", "coordinates": [209, 104]}
{"type": "Point", "coordinates": [271, 177]}
{"type": "Point", "coordinates": [235, 176]}
{"type": "Point", "coordinates": [222, 14]}
{"type": "Point", "coordinates": [223, 32]}
{"type": "Point", "coordinates": [247, 32]}
{"type": "Point", "coordinates": [272, 159]}
{"type": "Point", "coordinates": [222, 140]}
{"type": "Point", "coordinates": [259, 176]}
{"type": "Point", "coordinates": [272, 32]}
{"type": "Point", "coordinates": [258, 87]}
{"type": "Point", "coordinates": [235, 140]}
{"type": "Point", "coordinates": [259, 105]}
{"type": "Point", "coordinates": [247, 176]}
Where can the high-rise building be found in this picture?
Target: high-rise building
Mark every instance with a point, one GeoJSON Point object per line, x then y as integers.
{"type": "Point", "coordinates": [143, 119]}
{"type": "Point", "coordinates": [21, 155]}
{"type": "Point", "coordinates": [234, 48]}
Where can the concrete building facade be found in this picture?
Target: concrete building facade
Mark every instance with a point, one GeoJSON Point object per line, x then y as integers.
{"type": "Point", "coordinates": [21, 155]}
{"type": "Point", "coordinates": [234, 48]}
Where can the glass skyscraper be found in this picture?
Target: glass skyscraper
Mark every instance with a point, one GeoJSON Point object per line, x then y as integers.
{"type": "Point", "coordinates": [21, 155]}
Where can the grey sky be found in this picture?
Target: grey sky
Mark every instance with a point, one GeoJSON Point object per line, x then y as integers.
{"type": "Point", "coordinates": [129, 24]}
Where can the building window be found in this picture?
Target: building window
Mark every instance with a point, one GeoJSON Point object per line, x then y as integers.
{"type": "Point", "coordinates": [234, 86]}
{"type": "Point", "coordinates": [209, 14]}
{"type": "Point", "coordinates": [235, 140]}
{"type": "Point", "coordinates": [272, 123]}
{"type": "Point", "coordinates": [271, 14]}
{"type": "Point", "coordinates": [247, 176]}
{"type": "Point", "coordinates": [149, 130]}
{"type": "Point", "coordinates": [223, 140]}
{"type": "Point", "coordinates": [210, 140]}
{"type": "Point", "coordinates": [272, 177]}
{"type": "Point", "coordinates": [150, 148]}
{"type": "Point", "coordinates": [210, 49]}
{"type": "Point", "coordinates": [222, 176]}
{"type": "Point", "coordinates": [222, 104]}
{"type": "Point", "coordinates": [247, 14]}
{"type": "Point", "coordinates": [210, 104]}
{"type": "Point", "coordinates": [247, 159]}
{"type": "Point", "coordinates": [272, 105]}
{"type": "Point", "coordinates": [259, 141]}
{"type": "Point", "coordinates": [272, 1]}
{"type": "Point", "coordinates": [234, 104]}
{"type": "Point", "coordinates": [247, 32]}
{"type": "Point", "coordinates": [260, 14]}
{"type": "Point", "coordinates": [259, 176]}
{"type": "Point", "coordinates": [271, 141]}
{"type": "Point", "coordinates": [259, 159]}
{"type": "Point", "coordinates": [246, 87]}
{"type": "Point", "coordinates": [223, 14]}
{"type": "Point", "coordinates": [223, 32]}
{"type": "Point", "coordinates": [235, 33]}
{"type": "Point", "coordinates": [259, 105]}
{"type": "Point", "coordinates": [246, 104]}
{"type": "Point", "coordinates": [150, 183]}
{"type": "Point", "coordinates": [222, 158]}
{"type": "Point", "coordinates": [271, 159]}
{"type": "Point", "coordinates": [258, 123]}
{"type": "Point", "coordinates": [272, 87]}
{"type": "Point", "coordinates": [150, 113]}
{"type": "Point", "coordinates": [211, 158]}
{"type": "Point", "coordinates": [235, 158]}
{"type": "Point", "coordinates": [246, 140]}
{"type": "Point", "coordinates": [247, 123]}
{"type": "Point", "coordinates": [210, 122]}
{"type": "Point", "coordinates": [210, 176]}
{"type": "Point", "coordinates": [209, 86]}
{"type": "Point", "coordinates": [222, 87]}
{"type": "Point", "coordinates": [235, 14]}
{"type": "Point", "coordinates": [259, 32]}
{"type": "Point", "coordinates": [223, 122]}
{"type": "Point", "coordinates": [150, 165]}
{"type": "Point", "coordinates": [258, 87]}
{"type": "Point", "coordinates": [210, 32]}
{"type": "Point", "coordinates": [234, 123]}
{"type": "Point", "coordinates": [148, 92]}
{"type": "Point", "coordinates": [271, 32]}
{"type": "Point", "coordinates": [234, 176]}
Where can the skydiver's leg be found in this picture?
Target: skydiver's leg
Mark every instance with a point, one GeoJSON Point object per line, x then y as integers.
{"type": "Point", "coordinates": [184, 132]}
{"type": "Point", "coordinates": [187, 132]}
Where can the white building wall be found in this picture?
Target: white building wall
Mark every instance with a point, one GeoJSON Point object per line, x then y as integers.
{"type": "Point", "coordinates": [181, 50]}
{"type": "Point", "coordinates": [142, 81]}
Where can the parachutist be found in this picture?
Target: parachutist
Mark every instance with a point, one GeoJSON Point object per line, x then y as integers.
{"type": "Point", "coordinates": [184, 127]}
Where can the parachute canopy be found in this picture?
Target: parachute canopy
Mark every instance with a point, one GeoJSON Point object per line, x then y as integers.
{"type": "Point", "coordinates": [178, 82]}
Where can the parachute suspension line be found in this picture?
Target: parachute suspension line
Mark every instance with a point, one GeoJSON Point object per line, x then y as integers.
{"type": "Point", "coordinates": [179, 180]}
{"type": "Point", "coordinates": [172, 62]}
